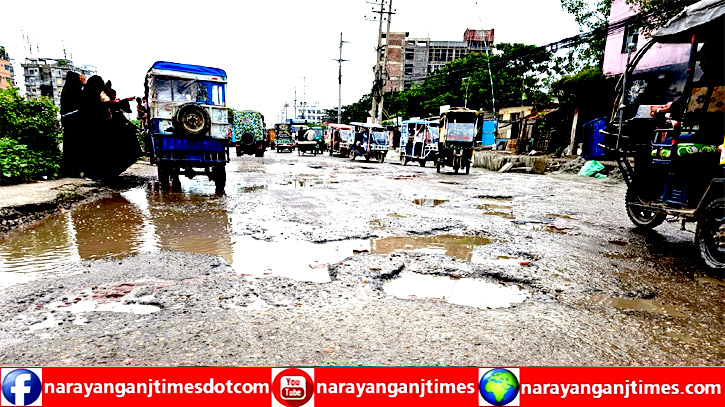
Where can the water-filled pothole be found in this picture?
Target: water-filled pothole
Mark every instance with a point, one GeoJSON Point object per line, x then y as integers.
{"type": "Point", "coordinates": [638, 304]}
{"type": "Point", "coordinates": [458, 247]}
{"type": "Point", "coordinates": [429, 202]}
{"type": "Point", "coordinates": [465, 291]}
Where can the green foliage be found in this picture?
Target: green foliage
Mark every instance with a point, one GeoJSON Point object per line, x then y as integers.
{"type": "Point", "coordinates": [3, 53]}
{"type": "Point", "coordinates": [20, 164]}
{"type": "Point", "coordinates": [516, 71]}
{"type": "Point", "coordinates": [31, 134]}
{"type": "Point", "coordinates": [591, 15]}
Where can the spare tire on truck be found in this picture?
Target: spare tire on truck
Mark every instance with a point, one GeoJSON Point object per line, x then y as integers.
{"type": "Point", "coordinates": [192, 119]}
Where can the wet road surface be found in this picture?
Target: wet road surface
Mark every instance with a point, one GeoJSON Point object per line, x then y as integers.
{"type": "Point", "coordinates": [321, 260]}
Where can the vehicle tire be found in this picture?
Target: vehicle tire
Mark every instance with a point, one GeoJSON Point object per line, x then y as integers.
{"type": "Point", "coordinates": [403, 161]}
{"type": "Point", "coordinates": [438, 167]}
{"type": "Point", "coordinates": [381, 158]}
{"type": "Point", "coordinates": [468, 168]}
{"type": "Point", "coordinates": [352, 155]}
{"type": "Point", "coordinates": [260, 153]}
{"type": "Point", "coordinates": [367, 158]}
{"type": "Point", "coordinates": [175, 183]}
{"type": "Point", "coordinates": [192, 119]}
{"type": "Point", "coordinates": [299, 152]}
{"type": "Point", "coordinates": [163, 178]}
{"type": "Point", "coordinates": [640, 217]}
{"type": "Point", "coordinates": [220, 178]}
{"type": "Point", "coordinates": [421, 161]}
{"type": "Point", "coordinates": [710, 235]}
{"type": "Point", "coordinates": [247, 139]}
{"type": "Point", "coordinates": [239, 151]}
{"type": "Point", "coordinates": [278, 149]}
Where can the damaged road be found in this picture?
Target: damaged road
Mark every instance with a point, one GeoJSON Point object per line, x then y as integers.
{"type": "Point", "coordinates": [324, 261]}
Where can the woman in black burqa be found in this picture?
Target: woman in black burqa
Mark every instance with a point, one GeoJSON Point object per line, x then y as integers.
{"type": "Point", "coordinates": [110, 139]}
{"type": "Point", "coordinates": [70, 104]}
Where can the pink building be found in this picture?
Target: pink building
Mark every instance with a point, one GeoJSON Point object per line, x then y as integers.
{"type": "Point", "coordinates": [615, 55]}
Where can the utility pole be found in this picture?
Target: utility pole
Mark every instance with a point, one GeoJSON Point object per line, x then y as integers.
{"type": "Point", "coordinates": [295, 102]}
{"type": "Point", "coordinates": [376, 84]}
{"type": "Point", "coordinates": [339, 82]}
{"type": "Point", "coordinates": [384, 75]}
{"type": "Point", "coordinates": [468, 82]}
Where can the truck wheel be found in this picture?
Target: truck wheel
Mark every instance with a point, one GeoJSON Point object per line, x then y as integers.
{"type": "Point", "coordinates": [641, 218]}
{"type": "Point", "coordinates": [220, 178]}
{"type": "Point", "coordinates": [710, 235]}
{"type": "Point", "coordinates": [163, 178]}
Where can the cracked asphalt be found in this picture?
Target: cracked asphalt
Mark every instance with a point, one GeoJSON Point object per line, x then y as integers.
{"type": "Point", "coordinates": [325, 261]}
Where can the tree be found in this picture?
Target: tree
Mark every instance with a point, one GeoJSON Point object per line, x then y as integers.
{"type": "Point", "coordinates": [517, 74]}
{"type": "Point", "coordinates": [29, 138]}
{"type": "Point", "coordinates": [591, 15]}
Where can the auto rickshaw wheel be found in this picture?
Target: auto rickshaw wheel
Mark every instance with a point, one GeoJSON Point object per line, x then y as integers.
{"type": "Point", "coordinates": [352, 155]}
{"type": "Point", "coordinates": [641, 218]}
{"type": "Point", "coordinates": [403, 160]}
{"type": "Point", "coordinates": [381, 158]}
{"type": "Point", "coordinates": [175, 183]}
{"type": "Point", "coordinates": [163, 178]}
{"type": "Point", "coordinates": [219, 175]}
{"type": "Point", "coordinates": [421, 161]}
{"type": "Point", "coordinates": [710, 235]}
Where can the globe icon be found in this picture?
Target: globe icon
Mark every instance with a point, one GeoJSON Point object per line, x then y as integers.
{"type": "Point", "coordinates": [499, 387]}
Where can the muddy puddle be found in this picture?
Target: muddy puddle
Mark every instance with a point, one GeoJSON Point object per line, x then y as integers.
{"type": "Point", "coordinates": [502, 211]}
{"type": "Point", "coordinates": [142, 220]}
{"type": "Point", "coordinates": [458, 247]}
{"type": "Point", "coordinates": [466, 291]}
{"type": "Point", "coordinates": [429, 202]}
{"type": "Point", "coordinates": [640, 305]}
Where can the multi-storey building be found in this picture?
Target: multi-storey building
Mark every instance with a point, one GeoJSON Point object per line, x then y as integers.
{"type": "Point", "coordinates": [411, 60]}
{"type": "Point", "coordinates": [46, 76]}
{"type": "Point", "coordinates": [7, 74]}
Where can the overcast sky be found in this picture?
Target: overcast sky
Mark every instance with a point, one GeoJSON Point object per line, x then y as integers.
{"type": "Point", "coordinates": [268, 48]}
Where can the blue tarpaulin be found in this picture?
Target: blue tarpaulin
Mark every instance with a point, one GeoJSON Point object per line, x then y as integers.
{"type": "Point", "coordinates": [197, 69]}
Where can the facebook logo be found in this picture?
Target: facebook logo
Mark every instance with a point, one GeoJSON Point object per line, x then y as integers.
{"type": "Point", "coordinates": [21, 387]}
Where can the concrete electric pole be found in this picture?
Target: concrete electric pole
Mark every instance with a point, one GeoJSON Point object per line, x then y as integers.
{"type": "Point", "coordinates": [339, 82]}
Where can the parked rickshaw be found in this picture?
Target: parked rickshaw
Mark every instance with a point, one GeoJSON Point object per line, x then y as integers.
{"type": "Point", "coordinates": [458, 129]}
{"type": "Point", "coordinates": [188, 124]}
{"type": "Point", "coordinates": [248, 133]}
{"type": "Point", "coordinates": [370, 141]}
{"type": "Point", "coordinates": [419, 141]}
{"type": "Point", "coordinates": [283, 138]}
{"type": "Point", "coordinates": [341, 138]}
{"type": "Point", "coordinates": [677, 169]}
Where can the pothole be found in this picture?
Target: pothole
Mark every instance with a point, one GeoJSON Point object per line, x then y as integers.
{"type": "Point", "coordinates": [637, 304]}
{"type": "Point", "coordinates": [470, 292]}
{"type": "Point", "coordinates": [429, 202]}
{"type": "Point", "coordinates": [458, 247]}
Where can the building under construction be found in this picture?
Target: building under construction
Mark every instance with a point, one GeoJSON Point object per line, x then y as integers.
{"type": "Point", "coordinates": [46, 76]}
{"type": "Point", "coordinates": [411, 60]}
